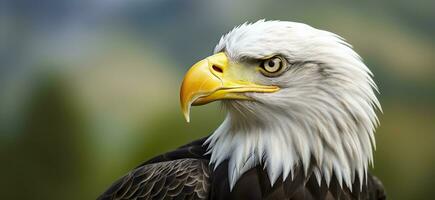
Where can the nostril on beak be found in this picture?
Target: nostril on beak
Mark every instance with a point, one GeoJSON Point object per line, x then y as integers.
{"type": "Point", "coordinates": [217, 69]}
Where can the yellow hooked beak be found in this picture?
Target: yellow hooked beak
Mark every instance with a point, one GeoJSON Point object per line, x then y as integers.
{"type": "Point", "coordinates": [207, 81]}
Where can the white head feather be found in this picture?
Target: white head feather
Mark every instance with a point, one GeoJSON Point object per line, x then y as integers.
{"type": "Point", "coordinates": [324, 111]}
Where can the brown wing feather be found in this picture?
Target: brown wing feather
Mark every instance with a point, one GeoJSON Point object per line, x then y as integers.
{"type": "Point", "coordinates": [176, 179]}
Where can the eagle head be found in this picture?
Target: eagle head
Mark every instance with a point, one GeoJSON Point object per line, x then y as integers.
{"type": "Point", "coordinates": [296, 96]}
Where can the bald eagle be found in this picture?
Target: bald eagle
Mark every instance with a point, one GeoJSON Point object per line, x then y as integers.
{"type": "Point", "coordinates": [301, 116]}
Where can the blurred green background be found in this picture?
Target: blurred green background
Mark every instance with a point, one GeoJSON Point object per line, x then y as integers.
{"type": "Point", "coordinates": [89, 88]}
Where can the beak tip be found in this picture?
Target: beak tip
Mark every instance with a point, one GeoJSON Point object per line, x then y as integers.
{"type": "Point", "coordinates": [187, 118]}
{"type": "Point", "coordinates": [186, 114]}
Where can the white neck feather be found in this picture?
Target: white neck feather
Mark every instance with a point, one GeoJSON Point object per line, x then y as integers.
{"type": "Point", "coordinates": [281, 139]}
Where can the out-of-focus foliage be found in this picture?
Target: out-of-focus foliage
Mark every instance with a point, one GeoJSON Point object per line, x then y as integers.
{"type": "Point", "coordinates": [89, 88]}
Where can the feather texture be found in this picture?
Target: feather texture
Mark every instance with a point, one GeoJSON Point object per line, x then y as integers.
{"type": "Point", "coordinates": [184, 174]}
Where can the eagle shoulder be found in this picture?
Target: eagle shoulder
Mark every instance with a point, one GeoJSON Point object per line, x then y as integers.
{"type": "Point", "coordinates": [180, 174]}
{"type": "Point", "coordinates": [182, 178]}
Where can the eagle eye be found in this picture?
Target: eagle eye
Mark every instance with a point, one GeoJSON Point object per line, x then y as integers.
{"type": "Point", "coordinates": [272, 67]}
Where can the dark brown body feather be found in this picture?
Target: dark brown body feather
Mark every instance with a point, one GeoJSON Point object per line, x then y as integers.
{"type": "Point", "coordinates": [186, 174]}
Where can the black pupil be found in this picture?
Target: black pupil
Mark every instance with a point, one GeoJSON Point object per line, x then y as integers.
{"type": "Point", "coordinates": [271, 63]}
